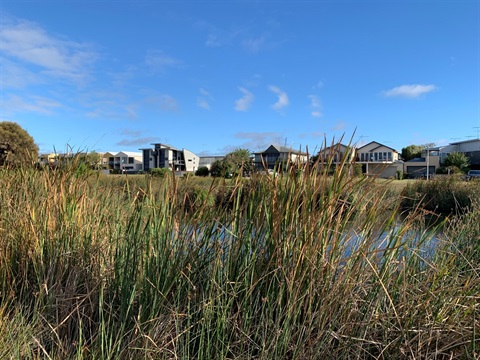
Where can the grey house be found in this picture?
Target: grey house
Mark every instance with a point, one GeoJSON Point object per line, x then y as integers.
{"type": "Point", "coordinates": [167, 157]}
{"type": "Point", "coordinates": [275, 155]}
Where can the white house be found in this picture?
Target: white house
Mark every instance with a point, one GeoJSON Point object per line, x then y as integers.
{"type": "Point", "coordinates": [123, 161]}
{"type": "Point", "coordinates": [379, 160]}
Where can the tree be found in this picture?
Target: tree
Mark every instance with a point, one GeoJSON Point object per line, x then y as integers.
{"type": "Point", "coordinates": [202, 171]}
{"type": "Point", "coordinates": [240, 161]}
{"type": "Point", "coordinates": [221, 168]}
{"type": "Point", "coordinates": [457, 159]}
{"type": "Point", "coordinates": [17, 147]}
{"type": "Point", "coordinates": [94, 160]}
{"type": "Point", "coordinates": [411, 152]}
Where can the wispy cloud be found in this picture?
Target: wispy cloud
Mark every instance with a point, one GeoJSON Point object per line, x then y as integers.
{"type": "Point", "coordinates": [140, 141]}
{"type": "Point", "coordinates": [15, 104]}
{"type": "Point", "coordinates": [313, 135]}
{"type": "Point", "coordinates": [111, 105]}
{"type": "Point", "coordinates": [135, 138]}
{"type": "Point", "coordinates": [57, 56]}
{"type": "Point", "coordinates": [339, 125]}
{"type": "Point", "coordinates": [203, 103]}
{"type": "Point", "coordinates": [216, 36]}
{"type": "Point", "coordinates": [203, 99]}
{"type": "Point", "coordinates": [14, 76]}
{"type": "Point", "coordinates": [114, 112]}
{"type": "Point", "coordinates": [254, 45]}
{"type": "Point", "coordinates": [409, 91]}
{"type": "Point", "coordinates": [316, 106]}
{"type": "Point", "coordinates": [282, 100]}
{"type": "Point", "coordinates": [318, 85]}
{"type": "Point", "coordinates": [244, 103]}
{"type": "Point", "coordinates": [254, 141]}
{"type": "Point", "coordinates": [165, 102]}
{"type": "Point", "coordinates": [158, 61]}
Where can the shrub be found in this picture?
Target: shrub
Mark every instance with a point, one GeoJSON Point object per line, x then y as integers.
{"type": "Point", "coordinates": [159, 172]}
{"type": "Point", "coordinates": [357, 170]}
{"type": "Point", "coordinates": [202, 171]}
{"type": "Point", "coordinates": [444, 195]}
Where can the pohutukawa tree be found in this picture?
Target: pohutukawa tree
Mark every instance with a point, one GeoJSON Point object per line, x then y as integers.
{"type": "Point", "coordinates": [17, 147]}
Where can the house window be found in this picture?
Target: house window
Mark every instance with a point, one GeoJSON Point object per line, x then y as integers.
{"type": "Point", "coordinates": [362, 157]}
{"type": "Point", "coordinates": [390, 156]}
{"type": "Point", "coordinates": [131, 160]}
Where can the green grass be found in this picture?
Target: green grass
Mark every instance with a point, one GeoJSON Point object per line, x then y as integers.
{"type": "Point", "coordinates": [292, 267]}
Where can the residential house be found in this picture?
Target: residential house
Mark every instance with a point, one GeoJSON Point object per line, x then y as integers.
{"type": "Point", "coordinates": [123, 161]}
{"type": "Point", "coordinates": [435, 156]}
{"type": "Point", "coordinates": [168, 157]}
{"type": "Point", "coordinates": [274, 156]}
{"type": "Point", "coordinates": [379, 160]}
{"type": "Point", "coordinates": [47, 159]}
{"type": "Point", "coordinates": [336, 154]}
{"type": "Point", "coordinates": [429, 158]}
{"type": "Point", "coordinates": [471, 149]}
{"type": "Point", "coordinates": [209, 160]}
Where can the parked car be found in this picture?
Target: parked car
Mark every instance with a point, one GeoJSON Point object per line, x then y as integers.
{"type": "Point", "coordinates": [473, 174]}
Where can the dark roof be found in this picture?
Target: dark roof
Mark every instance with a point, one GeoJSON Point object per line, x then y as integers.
{"type": "Point", "coordinates": [416, 160]}
{"type": "Point", "coordinates": [282, 149]}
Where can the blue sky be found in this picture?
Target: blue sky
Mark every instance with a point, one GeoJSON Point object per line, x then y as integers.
{"type": "Point", "coordinates": [212, 76]}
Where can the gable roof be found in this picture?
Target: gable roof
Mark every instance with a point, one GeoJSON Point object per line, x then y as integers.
{"type": "Point", "coordinates": [129, 153]}
{"type": "Point", "coordinates": [378, 146]}
{"type": "Point", "coordinates": [337, 146]}
{"type": "Point", "coordinates": [282, 149]}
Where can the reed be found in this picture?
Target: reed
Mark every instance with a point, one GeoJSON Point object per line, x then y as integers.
{"type": "Point", "coordinates": [297, 266]}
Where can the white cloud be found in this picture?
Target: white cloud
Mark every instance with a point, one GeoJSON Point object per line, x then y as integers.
{"type": "Point", "coordinates": [255, 45]}
{"type": "Point", "coordinates": [244, 103]}
{"type": "Point", "coordinates": [204, 92]}
{"type": "Point", "coordinates": [137, 141]}
{"type": "Point", "coordinates": [204, 98]}
{"type": "Point", "coordinates": [31, 44]}
{"type": "Point", "coordinates": [109, 105]}
{"type": "Point", "coordinates": [216, 36]}
{"type": "Point", "coordinates": [339, 125]}
{"type": "Point", "coordinates": [282, 98]}
{"type": "Point", "coordinates": [14, 76]}
{"type": "Point", "coordinates": [255, 141]}
{"type": "Point", "coordinates": [113, 112]}
{"type": "Point", "coordinates": [203, 103]}
{"type": "Point", "coordinates": [313, 134]}
{"type": "Point", "coordinates": [409, 91]}
{"type": "Point", "coordinates": [15, 104]}
{"type": "Point", "coordinates": [316, 105]}
{"type": "Point", "coordinates": [167, 103]}
{"type": "Point", "coordinates": [159, 61]}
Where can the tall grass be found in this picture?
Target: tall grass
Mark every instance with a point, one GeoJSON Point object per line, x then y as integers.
{"type": "Point", "coordinates": [297, 266]}
{"type": "Point", "coordinates": [445, 195]}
